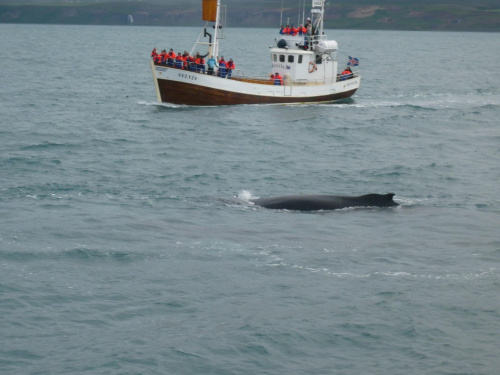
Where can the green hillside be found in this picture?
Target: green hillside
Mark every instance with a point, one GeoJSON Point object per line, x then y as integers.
{"type": "Point", "coordinates": [459, 15]}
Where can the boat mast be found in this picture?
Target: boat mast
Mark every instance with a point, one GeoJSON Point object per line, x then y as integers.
{"type": "Point", "coordinates": [303, 13]}
{"type": "Point", "coordinates": [318, 15]}
{"type": "Point", "coordinates": [281, 18]}
{"type": "Point", "coordinates": [216, 37]}
{"type": "Point", "coordinates": [211, 13]}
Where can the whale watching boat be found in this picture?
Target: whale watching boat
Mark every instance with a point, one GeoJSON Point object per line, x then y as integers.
{"type": "Point", "coordinates": [304, 68]}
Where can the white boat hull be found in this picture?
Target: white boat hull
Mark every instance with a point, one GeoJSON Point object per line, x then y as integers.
{"type": "Point", "coordinates": [184, 87]}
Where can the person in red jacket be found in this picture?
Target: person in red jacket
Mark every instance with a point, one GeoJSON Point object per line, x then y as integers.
{"type": "Point", "coordinates": [222, 68]}
{"type": "Point", "coordinates": [163, 57]}
{"type": "Point", "coordinates": [179, 61]}
{"type": "Point", "coordinates": [157, 58]}
{"type": "Point", "coordinates": [188, 61]}
{"type": "Point", "coordinates": [154, 53]}
{"type": "Point", "coordinates": [170, 57]}
{"type": "Point", "coordinates": [346, 74]}
{"type": "Point", "coordinates": [200, 63]}
{"type": "Point", "coordinates": [230, 66]}
{"type": "Point", "coordinates": [278, 80]}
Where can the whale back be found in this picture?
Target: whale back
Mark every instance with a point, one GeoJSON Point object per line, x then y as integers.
{"type": "Point", "coordinates": [379, 200]}
{"type": "Point", "coordinates": [325, 202]}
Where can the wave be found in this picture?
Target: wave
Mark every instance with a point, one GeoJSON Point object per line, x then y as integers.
{"type": "Point", "coordinates": [170, 106]}
{"type": "Point", "coordinates": [436, 101]}
{"type": "Point", "coordinates": [276, 262]}
{"type": "Point", "coordinates": [77, 253]}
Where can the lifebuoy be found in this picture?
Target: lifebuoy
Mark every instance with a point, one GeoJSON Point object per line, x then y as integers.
{"type": "Point", "coordinates": [312, 67]}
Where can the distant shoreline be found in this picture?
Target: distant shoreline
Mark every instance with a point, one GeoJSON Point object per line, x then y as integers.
{"type": "Point", "coordinates": [351, 17]}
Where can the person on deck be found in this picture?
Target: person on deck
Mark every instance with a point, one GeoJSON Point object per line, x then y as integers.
{"type": "Point", "coordinates": [170, 57]}
{"type": "Point", "coordinates": [230, 66]}
{"type": "Point", "coordinates": [282, 30]}
{"type": "Point", "coordinates": [211, 63]}
{"type": "Point", "coordinates": [154, 53]}
{"type": "Point", "coordinates": [286, 30]}
{"type": "Point", "coordinates": [301, 30]}
{"type": "Point", "coordinates": [200, 63]}
{"type": "Point", "coordinates": [189, 62]}
{"type": "Point", "coordinates": [179, 61]}
{"type": "Point", "coordinates": [163, 57]}
{"type": "Point", "coordinates": [222, 68]}
{"type": "Point", "coordinates": [293, 31]}
{"type": "Point", "coordinates": [308, 37]}
{"type": "Point", "coordinates": [346, 74]}
{"type": "Point", "coordinates": [278, 80]}
{"type": "Point", "coordinates": [157, 58]}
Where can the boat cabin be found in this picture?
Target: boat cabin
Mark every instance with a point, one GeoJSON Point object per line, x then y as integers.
{"type": "Point", "coordinates": [299, 60]}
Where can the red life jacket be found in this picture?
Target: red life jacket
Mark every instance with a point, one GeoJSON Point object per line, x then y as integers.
{"type": "Point", "coordinates": [179, 58]}
{"type": "Point", "coordinates": [230, 65]}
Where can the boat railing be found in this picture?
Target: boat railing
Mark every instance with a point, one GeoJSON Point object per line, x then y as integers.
{"type": "Point", "coordinates": [223, 73]}
{"type": "Point", "coordinates": [239, 75]}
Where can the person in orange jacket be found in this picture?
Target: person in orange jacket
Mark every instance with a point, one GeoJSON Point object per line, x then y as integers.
{"type": "Point", "coordinates": [222, 68]}
{"type": "Point", "coordinates": [157, 58]}
{"type": "Point", "coordinates": [230, 66]}
{"type": "Point", "coordinates": [278, 80]}
{"type": "Point", "coordinates": [163, 57]}
{"type": "Point", "coordinates": [200, 63]}
{"type": "Point", "coordinates": [179, 61]}
{"type": "Point", "coordinates": [188, 61]}
{"type": "Point", "coordinates": [170, 57]}
{"type": "Point", "coordinates": [346, 74]}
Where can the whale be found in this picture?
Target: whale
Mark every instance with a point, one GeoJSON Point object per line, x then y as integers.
{"type": "Point", "coordinates": [325, 202]}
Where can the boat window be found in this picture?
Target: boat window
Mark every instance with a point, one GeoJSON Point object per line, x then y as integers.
{"type": "Point", "coordinates": [300, 59]}
{"type": "Point", "coordinates": [275, 57]}
{"type": "Point", "coordinates": [282, 58]}
{"type": "Point", "coordinates": [290, 58]}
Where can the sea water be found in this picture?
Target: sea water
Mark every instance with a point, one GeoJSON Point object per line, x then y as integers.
{"type": "Point", "coordinates": [128, 244]}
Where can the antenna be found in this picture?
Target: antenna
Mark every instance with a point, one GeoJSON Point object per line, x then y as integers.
{"type": "Point", "coordinates": [281, 18]}
{"type": "Point", "coordinates": [304, 13]}
{"type": "Point", "coordinates": [298, 16]}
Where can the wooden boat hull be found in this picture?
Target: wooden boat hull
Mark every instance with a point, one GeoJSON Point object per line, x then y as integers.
{"type": "Point", "coordinates": [189, 88]}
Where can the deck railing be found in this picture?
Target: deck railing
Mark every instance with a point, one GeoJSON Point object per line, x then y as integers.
{"type": "Point", "coordinates": [239, 75]}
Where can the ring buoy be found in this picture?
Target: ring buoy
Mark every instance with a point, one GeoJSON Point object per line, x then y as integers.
{"type": "Point", "coordinates": [312, 67]}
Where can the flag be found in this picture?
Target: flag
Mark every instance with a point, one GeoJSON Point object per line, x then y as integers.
{"type": "Point", "coordinates": [353, 61]}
